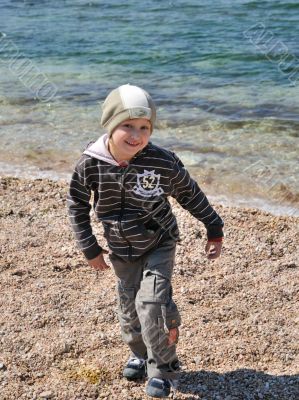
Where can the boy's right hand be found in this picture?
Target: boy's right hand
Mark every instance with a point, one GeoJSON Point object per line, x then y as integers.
{"type": "Point", "coordinates": [99, 262]}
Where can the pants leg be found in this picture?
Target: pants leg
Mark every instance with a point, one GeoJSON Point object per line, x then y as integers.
{"type": "Point", "coordinates": [157, 312]}
{"type": "Point", "coordinates": [129, 276]}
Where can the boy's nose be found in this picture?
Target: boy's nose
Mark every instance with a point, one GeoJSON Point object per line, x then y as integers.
{"type": "Point", "coordinates": [135, 133]}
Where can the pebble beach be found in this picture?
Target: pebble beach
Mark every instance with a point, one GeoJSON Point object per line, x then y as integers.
{"type": "Point", "coordinates": [225, 82]}
{"type": "Point", "coordinates": [59, 334]}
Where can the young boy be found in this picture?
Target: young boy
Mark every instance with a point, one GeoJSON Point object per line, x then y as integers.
{"type": "Point", "coordinates": [131, 180]}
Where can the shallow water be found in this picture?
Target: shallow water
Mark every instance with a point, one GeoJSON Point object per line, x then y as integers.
{"type": "Point", "coordinates": [224, 78]}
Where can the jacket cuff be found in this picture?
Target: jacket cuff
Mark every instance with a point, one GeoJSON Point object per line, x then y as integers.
{"type": "Point", "coordinates": [214, 232]}
{"type": "Point", "coordinates": [219, 239]}
{"type": "Point", "coordinates": [92, 252]}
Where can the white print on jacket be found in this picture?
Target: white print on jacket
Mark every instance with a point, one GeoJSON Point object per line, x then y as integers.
{"type": "Point", "coordinates": [148, 184]}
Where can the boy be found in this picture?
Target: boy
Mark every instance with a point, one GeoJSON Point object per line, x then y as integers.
{"type": "Point", "coordinates": [131, 179]}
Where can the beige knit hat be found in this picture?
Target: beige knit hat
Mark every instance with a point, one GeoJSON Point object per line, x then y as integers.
{"type": "Point", "coordinates": [127, 102]}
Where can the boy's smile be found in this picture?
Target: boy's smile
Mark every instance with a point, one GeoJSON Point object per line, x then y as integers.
{"type": "Point", "coordinates": [129, 137]}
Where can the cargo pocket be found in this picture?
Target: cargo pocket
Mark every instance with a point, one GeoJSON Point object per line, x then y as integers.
{"type": "Point", "coordinates": [154, 288]}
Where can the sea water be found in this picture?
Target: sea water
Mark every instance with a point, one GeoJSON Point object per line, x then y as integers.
{"type": "Point", "coordinates": [224, 76]}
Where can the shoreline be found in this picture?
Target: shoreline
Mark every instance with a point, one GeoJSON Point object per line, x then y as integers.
{"type": "Point", "coordinates": [58, 323]}
{"type": "Point", "coordinates": [233, 200]}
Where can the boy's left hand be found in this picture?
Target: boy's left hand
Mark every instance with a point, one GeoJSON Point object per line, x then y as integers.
{"type": "Point", "coordinates": [213, 249]}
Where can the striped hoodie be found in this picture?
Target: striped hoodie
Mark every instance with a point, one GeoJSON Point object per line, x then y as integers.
{"type": "Point", "coordinates": [131, 200]}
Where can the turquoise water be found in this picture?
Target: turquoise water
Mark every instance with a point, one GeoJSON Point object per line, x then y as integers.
{"type": "Point", "coordinates": [224, 75]}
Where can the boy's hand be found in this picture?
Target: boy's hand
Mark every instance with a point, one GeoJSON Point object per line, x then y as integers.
{"type": "Point", "coordinates": [99, 262]}
{"type": "Point", "coordinates": [213, 249]}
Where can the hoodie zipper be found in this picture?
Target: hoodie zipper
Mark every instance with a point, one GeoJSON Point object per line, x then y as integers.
{"type": "Point", "coordinates": [122, 208]}
{"type": "Point", "coordinates": [122, 204]}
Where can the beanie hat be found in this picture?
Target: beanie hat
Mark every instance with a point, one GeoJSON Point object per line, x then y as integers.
{"type": "Point", "coordinates": [127, 102]}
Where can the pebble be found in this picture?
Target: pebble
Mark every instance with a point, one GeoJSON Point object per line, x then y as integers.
{"type": "Point", "coordinates": [3, 367]}
{"type": "Point", "coordinates": [67, 347]}
{"type": "Point", "coordinates": [46, 395]}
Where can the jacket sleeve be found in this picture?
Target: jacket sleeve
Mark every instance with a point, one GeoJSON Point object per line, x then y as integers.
{"type": "Point", "coordinates": [78, 202]}
{"type": "Point", "coordinates": [189, 195]}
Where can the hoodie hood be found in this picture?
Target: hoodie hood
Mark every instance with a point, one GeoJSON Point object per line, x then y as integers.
{"type": "Point", "coordinates": [99, 150]}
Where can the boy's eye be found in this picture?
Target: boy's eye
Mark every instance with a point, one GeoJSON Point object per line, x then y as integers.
{"type": "Point", "coordinates": [145, 127]}
{"type": "Point", "coordinates": [127, 125]}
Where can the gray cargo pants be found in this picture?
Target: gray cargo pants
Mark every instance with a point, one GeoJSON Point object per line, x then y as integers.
{"type": "Point", "coordinates": [146, 310]}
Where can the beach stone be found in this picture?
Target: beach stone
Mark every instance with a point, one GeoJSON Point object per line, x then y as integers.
{"type": "Point", "coordinates": [197, 359]}
{"type": "Point", "coordinates": [67, 347]}
{"type": "Point", "coordinates": [3, 367]}
{"type": "Point", "coordinates": [46, 395]}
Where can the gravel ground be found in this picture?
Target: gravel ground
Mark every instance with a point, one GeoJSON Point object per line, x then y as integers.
{"type": "Point", "coordinates": [59, 335]}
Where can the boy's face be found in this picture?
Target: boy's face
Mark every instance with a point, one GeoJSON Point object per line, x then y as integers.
{"type": "Point", "coordinates": [129, 137]}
